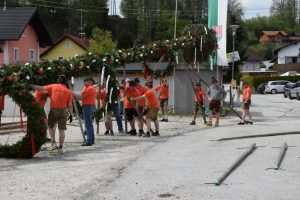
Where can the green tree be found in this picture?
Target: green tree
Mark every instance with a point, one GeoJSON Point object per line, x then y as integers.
{"type": "Point", "coordinates": [101, 41]}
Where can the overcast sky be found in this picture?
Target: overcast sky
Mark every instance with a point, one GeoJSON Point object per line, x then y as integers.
{"type": "Point", "coordinates": [251, 7]}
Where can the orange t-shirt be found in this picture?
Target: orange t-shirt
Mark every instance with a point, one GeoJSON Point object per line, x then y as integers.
{"type": "Point", "coordinates": [142, 90]}
{"type": "Point", "coordinates": [130, 93]}
{"type": "Point", "coordinates": [151, 99]}
{"type": "Point", "coordinates": [247, 91]}
{"type": "Point", "coordinates": [40, 97]}
{"type": "Point", "coordinates": [163, 91]}
{"type": "Point", "coordinates": [60, 96]}
{"type": "Point", "coordinates": [89, 95]}
{"type": "Point", "coordinates": [199, 96]}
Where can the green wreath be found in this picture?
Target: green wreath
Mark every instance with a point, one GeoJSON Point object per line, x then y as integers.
{"type": "Point", "coordinates": [15, 81]}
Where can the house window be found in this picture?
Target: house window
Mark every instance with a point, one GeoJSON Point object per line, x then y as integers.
{"type": "Point", "coordinates": [68, 44]}
{"type": "Point", "coordinates": [16, 55]}
{"type": "Point", "coordinates": [31, 55]}
{"type": "Point", "coordinates": [24, 33]}
{"type": "Point", "coordinates": [60, 58]}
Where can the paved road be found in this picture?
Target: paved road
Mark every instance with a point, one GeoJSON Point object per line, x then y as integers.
{"type": "Point", "coordinates": [173, 166]}
{"type": "Point", "coordinates": [180, 167]}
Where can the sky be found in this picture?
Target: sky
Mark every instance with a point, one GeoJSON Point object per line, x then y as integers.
{"type": "Point", "coordinates": [251, 8]}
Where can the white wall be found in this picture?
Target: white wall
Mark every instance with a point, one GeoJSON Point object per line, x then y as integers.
{"type": "Point", "coordinates": [251, 66]}
{"type": "Point", "coordinates": [291, 50]}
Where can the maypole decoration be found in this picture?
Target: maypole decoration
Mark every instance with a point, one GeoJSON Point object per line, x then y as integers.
{"type": "Point", "coordinates": [15, 80]}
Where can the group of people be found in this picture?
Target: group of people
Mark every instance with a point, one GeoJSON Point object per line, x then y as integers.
{"type": "Point", "coordinates": [138, 100]}
{"type": "Point", "coordinates": [216, 96]}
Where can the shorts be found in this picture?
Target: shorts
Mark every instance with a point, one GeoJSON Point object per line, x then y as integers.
{"type": "Point", "coordinates": [163, 102]}
{"type": "Point", "coordinates": [246, 105]}
{"type": "Point", "coordinates": [140, 111]}
{"type": "Point", "coordinates": [59, 116]}
{"type": "Point", "coordinates": [131, 113]}
{"type": "Point", "coordinates": [215, 105]}
{"type": "Point", "coordinates": [197, 106]}
{"type": "Point", "coordinates": [152, 113]}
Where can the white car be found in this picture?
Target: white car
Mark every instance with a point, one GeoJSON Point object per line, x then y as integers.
{"type": "Point", "coordinates": [295, 92]}
{"type": "Point", "coordinates": [274, 87]}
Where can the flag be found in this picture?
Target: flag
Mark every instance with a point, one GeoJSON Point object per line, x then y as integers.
{"type": "Point", "coordinates": [217, 20]}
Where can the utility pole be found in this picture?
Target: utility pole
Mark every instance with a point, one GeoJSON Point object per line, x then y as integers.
{"type": "Point", "coordinates": [175, 25]}
{"type": "Point", "coordinates": [81, 33]}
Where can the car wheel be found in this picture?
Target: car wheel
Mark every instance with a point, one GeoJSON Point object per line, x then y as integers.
{"type": "Point", "coordinates": [284, 95]}
{"type": "Point", "coordinates": [290, 96]}
{"type": "Point", "coordinates": [298, 96]}
{"type": "Point", "coordinates": [273, 91]}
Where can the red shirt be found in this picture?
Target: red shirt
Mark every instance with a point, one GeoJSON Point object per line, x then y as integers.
{"type": "Point", "coordinates": [199, 95]}
{"type": "Point", "coordinates": [246, 91]}
{"type": "Point", "coordinates": [60, 95]}
{"type": "Point", "coordinates": [163, 91]}
{"type": "Point", "coordinates": [89, 95]}
{"type": "Point", "coordinates": [40, 97]}
{"type": "Point", "coordinates": [130, 93]}
{"type": "Point", "coordinates": [142, 90]}
{"type": "Point", "coordinates": [151, 99]}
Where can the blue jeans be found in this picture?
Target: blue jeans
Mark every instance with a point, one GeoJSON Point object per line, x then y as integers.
{"type": "Point", "coordinates": [116, 111]}
{"type": "Point", "coordinates": [88, 112]}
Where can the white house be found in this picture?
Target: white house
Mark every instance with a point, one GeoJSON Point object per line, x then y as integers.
{"type": "Point", "coordinates": [288, 54]}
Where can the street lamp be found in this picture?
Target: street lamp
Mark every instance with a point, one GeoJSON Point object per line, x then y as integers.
{"type": "Point", "coordinates": [234, 28]}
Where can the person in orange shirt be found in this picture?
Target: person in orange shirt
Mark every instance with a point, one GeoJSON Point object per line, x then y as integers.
{"type": "Point", "coordinates": [152, 104]}
{"type": "Point", "coordinates": [141, 103]}
{"type": "Point", "coordinates": [199, 100]}
{"type": "Point", "coordinates": [246, 98]}
{"type": "Point", "coordinates": [130, 106]}
{"type": "Point", "coordinates": [88, 97]}
{"type": "Point", "coordinates": [163, 97]}
{"type": "Point", "coordinates": [60, 101]}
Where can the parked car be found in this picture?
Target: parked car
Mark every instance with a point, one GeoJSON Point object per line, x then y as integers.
{"type": "Point", "coordinates": [295, 91]}
{"type": "Point", "coordinates": [274, 87]}
{"type": "Point", "coordinates": [261, 88]}
{"type": "Point", "coordinates": [287, 89]}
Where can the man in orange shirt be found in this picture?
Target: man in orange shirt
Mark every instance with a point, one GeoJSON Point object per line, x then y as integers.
{"type": "Point", "coordinates": [141, 103]}
{"type": "Point", "coordinates": [88, 97]}
{"type": "Point", "coordinates": [163, 97]}
{"type": "Point", "coordinates": [152, 104]}
{"type": "Point", "coordinates": [199, 100]}
{"type": "Point", "coordinates": [130, 106]}
{"type": "Point", "coordinates": [246, 98]}
{"type": "Point", "coordinates": [60, 101]}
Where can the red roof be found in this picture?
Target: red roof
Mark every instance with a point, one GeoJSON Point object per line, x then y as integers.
{"type": "Point", "coordinates": [273, 33]}
{"type": "Point", "coordinates": [83, 43]}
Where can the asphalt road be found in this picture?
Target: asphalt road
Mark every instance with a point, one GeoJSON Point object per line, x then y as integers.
{"type": "Point", "coordinates": [175, 165]}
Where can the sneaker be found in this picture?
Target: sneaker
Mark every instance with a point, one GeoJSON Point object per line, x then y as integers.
{"type": "Point", "coordinates": [249, 122]}
{"type": "Point", "coordinates": [86, 144]}
{"type": "Point", "coordinates": [106, 132]}
{"type": "Point", "coordinates": [60, 151]}
{"type": "Point", "coordinates": [146, 135]}
{"type": "Point", "coordinates": [209, 123]}
{"type": "Point", "coordinates": [193, 123]}
{"type": "Point", "coordinates": [156, 133]}
{"type": "Point", "coordinates": [111, 133]}
{"type": "Point", "coordinates": [141, 132]}
{"type": "Point", "coordinates": [162, 120]}
{"type": "Point", "coordinates": [132, 132]}
{"type": "Point", "coordinates": [166, 120]}
{"type": "Point", "coordinates": [241, 123]}
{"type": "Point", "coordinates": [53, 147]}
{"type": "Point", "coordinates": [121, 131]}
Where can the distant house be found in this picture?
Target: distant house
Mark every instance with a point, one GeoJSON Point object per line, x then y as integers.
{"type": "Point", "coordinates": [274, 37]}
{"type": "Point", "coordinates": [288, 58]}
{"type": "Point", "coordinates": [66, 47]}
{"type": "Point", "coordinates": [22, 34]}
{"type": "Point", "coordinates": [252, 61]}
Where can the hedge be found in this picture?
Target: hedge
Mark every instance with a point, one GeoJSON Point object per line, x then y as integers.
{"type": "Point", "coordinates": [255, 81]}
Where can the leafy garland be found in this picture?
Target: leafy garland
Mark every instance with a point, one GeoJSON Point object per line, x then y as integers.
{"type": "Point", "coordinates": [15, 80]}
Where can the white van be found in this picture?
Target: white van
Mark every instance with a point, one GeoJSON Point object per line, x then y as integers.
{"type": "Point", "coordinates": [274, 87]}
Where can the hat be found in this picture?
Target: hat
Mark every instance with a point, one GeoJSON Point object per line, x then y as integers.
{"type": "Point", "coordinates": [137, 80]}
{"type": "Point", "coordinates": [89, 79]}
